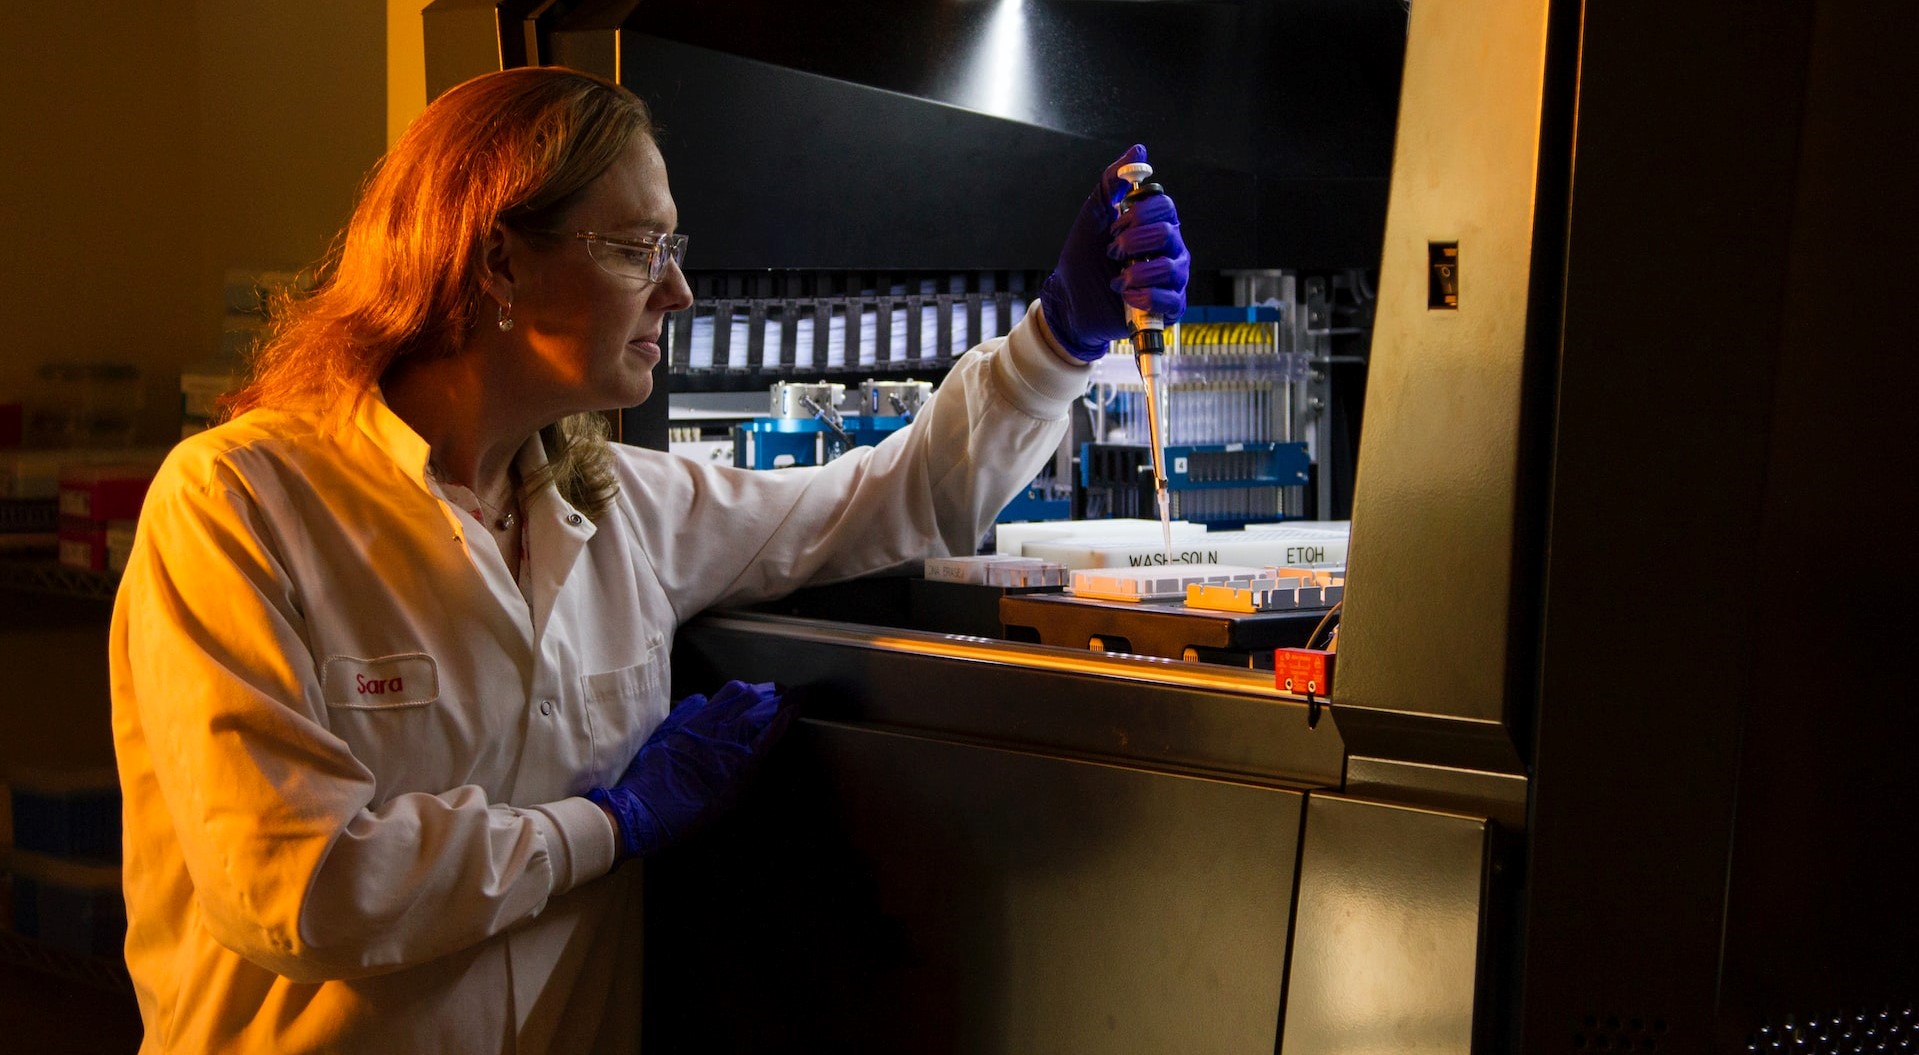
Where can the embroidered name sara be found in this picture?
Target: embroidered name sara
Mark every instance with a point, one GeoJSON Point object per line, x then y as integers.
{"type": "Point", "coordinates": [407, 679]}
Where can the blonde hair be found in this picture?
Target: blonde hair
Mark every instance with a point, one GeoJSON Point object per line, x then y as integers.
{"type": "Point", "coordinates": [515, 148]}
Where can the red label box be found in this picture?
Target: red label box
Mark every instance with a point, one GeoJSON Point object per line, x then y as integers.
{"type": "Point", "coordinates": [1303, 671]}
{"type": "Point", "coordinates": [104, 492]}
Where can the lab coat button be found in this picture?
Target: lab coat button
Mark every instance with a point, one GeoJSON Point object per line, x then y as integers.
{"type": "Point", "coordinates": [546, 706]}
{"type": "Point", "coordinates": [574, 519]}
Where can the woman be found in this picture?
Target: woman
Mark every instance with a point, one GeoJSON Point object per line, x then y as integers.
{"type": "Point", "coordinates": [390, 658]}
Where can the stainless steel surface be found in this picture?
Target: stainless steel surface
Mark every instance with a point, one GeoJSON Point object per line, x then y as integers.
{"type": "Point", "coordinates": [806, 400]}
{"type": "Point", "coordinates": [1138, 669]}
{"type": "Point", "coordinates": [1429, 611]}
{"type": "Point", "coordinates": [1075, 907]}
{"type": "Point", "coordinates": [1057, 906]}
{"type": "Point", "coordinates": [1723, 801]}
{"type": "Point", "coordinates": [1839, 814]}
{"type": "Point", "coordinates": [1196, 716]}
{"type": "Point", "coordinates": [894, 399]}
{"type": "Point", "coordinates": [946, 856]}
{"type": "Point", "coordinates": [1386, 930]}
{"type": "Point", "coordinates": [1713, 372]}
{"type": "Point", "coordinates": [1499, 796]}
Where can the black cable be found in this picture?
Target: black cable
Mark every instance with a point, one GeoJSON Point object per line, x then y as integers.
{"type": "Point", "coordinates": [1323, 620]}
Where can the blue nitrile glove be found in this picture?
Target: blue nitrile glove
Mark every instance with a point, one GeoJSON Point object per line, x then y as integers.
{"type": "Point", "coordinates": [1078, 297]}
{"type": "Point", "coordinates": [693, 766]}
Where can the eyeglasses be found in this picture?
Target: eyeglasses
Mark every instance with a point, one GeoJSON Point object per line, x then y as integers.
{"type": "Point", "coordinates": [643, 258]}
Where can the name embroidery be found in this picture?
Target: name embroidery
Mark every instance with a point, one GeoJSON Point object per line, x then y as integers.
{"type": "Point", "coordinates": [378, 686]}
{"type": "Point", "coordinates": [408, 679]}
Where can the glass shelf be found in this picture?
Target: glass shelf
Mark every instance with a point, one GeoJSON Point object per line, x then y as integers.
{"type": "Point", "coordinates": [41, 575]}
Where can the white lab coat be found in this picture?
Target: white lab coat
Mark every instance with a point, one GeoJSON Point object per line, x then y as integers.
{"type": "Point", "coordinates": [351, 747]}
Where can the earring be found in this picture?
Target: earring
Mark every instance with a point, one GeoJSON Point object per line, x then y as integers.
{"type": "Point", "coordinates": [506, 317]}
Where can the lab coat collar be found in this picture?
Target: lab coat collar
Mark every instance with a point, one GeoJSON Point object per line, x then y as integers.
{"type": "Point", "coordinates": [411, 453]}
{"type": "Point", "coordinates": [408, 450]}
{"type": "Point", "coordinates": [556, 532]}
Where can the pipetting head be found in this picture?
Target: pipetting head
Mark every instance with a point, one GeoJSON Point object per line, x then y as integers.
{"type": "Point", "coordinates": [1136, 172]}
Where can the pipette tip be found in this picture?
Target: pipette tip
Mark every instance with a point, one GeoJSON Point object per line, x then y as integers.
{"type": "Point", "coordinates": [1166, 524]}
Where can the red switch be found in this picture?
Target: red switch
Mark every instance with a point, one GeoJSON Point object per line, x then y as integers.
{"type": "Point", "coordinates": [1303, 671]}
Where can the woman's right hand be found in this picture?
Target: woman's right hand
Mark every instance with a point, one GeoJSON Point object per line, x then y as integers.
{"type": "Point", "coordinates": [1112, 261]}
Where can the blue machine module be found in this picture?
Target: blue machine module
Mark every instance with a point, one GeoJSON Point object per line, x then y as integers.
{"type": "Point", "coordinates": [807, 426]}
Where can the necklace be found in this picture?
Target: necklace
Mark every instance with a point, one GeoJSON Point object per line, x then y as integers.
{"type": "Point", "coordinates": [504, 516]}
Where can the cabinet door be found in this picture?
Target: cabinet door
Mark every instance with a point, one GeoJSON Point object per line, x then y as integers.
{"type": "Point", "coordinates": [887, 892]}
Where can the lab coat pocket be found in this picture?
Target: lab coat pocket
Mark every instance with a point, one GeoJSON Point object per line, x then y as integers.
{"type": "Point", "coordinates": [390, 712]}
{"type": "Point", "coordinates": [623, 707]}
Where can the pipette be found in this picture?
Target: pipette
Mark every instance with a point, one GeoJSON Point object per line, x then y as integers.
{"type": "Point", "coordinates": [1148, 333]}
